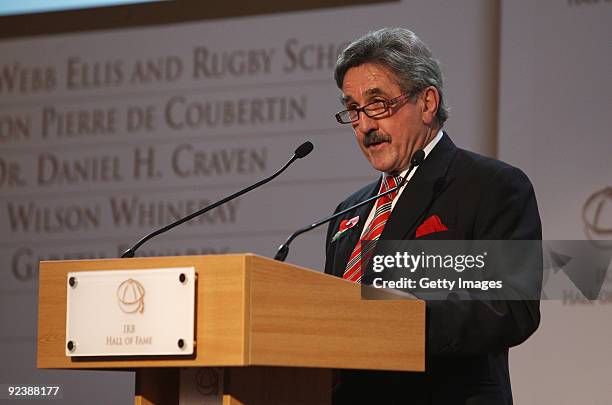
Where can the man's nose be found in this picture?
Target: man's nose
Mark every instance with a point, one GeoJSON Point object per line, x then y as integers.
{"type": "Point", "coordinates": [366, 124]}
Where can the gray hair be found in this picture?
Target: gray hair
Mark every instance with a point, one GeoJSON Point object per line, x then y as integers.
{"type": "Point", "coordinates": [401, 51]}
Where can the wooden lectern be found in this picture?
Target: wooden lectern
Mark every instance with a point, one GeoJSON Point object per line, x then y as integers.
{"type": "Point", "coordinates": [277, 330]}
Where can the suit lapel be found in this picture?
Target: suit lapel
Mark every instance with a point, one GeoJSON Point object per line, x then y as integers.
{"type": "Point", "coordinates": [430, 179]}
{"type": "Point", "coordinates": [347, 243]}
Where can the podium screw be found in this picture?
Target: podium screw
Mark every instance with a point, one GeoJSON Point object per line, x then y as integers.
{"type": "Point", "coordinates": [72, 281]}
{"type": "Point", "coordinates": [71, 346]}
{"type": "Point", "coordinates": [182, 278]}
{"type": "Point", "coordinates": [181, 343]}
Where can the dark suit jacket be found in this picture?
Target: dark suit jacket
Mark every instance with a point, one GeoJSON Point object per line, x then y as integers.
{"type": "Point", "coordinates": [466, 341]}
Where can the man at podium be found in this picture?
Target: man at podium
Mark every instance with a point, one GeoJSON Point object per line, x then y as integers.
{"type": "Point", "coordinates": [393, 98]}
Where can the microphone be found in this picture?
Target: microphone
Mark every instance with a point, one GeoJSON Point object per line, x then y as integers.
{"type": "Point", "coordinates": [301, 151]}
{"type": "Point", "coordinates": [417, 158]}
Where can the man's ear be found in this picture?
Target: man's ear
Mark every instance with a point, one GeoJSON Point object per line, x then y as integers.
{"type": "Point", "coordinates": [430, 101]}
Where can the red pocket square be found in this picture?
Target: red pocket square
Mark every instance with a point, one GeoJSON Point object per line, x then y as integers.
{"type": "Point", "coordinates": [430, 225]}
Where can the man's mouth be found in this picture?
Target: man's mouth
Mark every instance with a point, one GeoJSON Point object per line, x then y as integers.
{"type": "Point", "coordinates": [373, 144]}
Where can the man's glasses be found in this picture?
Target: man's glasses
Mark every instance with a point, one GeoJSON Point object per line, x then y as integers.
{"type": "Point", "coordinates": [372, 110]}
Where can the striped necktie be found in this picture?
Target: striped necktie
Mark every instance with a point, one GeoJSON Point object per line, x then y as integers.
{"type": "Point", "coordinates": [353, 270]}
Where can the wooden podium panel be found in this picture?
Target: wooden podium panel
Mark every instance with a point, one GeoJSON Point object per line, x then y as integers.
{"type": "Point", "coordinates": [220, 314]}
{"type": "Point", "coordinates": [255, 311]}
{"type": "Point", "coordinates": [325, 320]}
{"type": "Point", "coordinates": [277, 329]}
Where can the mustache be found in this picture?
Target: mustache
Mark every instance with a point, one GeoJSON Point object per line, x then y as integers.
{"type": "Point", "coordinates": [374, 137]}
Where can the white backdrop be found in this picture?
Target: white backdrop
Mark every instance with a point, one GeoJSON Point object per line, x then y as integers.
{"type": "Point", "coordinates": [554, 96]}
{"type": "Point", "coordinates": [554, 111]}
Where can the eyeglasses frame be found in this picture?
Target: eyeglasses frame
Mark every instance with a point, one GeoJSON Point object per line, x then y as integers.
{"type": "Point", "coordinates": [388, 104]}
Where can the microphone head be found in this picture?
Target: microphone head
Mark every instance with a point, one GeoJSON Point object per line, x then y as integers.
{"type": "Point", "coordinates": [418, 157]}
{"type": "Point", "coordinates": [304, 149]}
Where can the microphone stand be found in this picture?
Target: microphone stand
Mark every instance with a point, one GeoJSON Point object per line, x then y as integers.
{"type": "Point", "coordinates": [302, 150]}
{"type": "Point", "coordinates": [283, 250]}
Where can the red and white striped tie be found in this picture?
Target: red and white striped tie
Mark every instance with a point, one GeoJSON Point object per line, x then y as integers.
{"type": "Point", "coordinates": [353, 270]}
